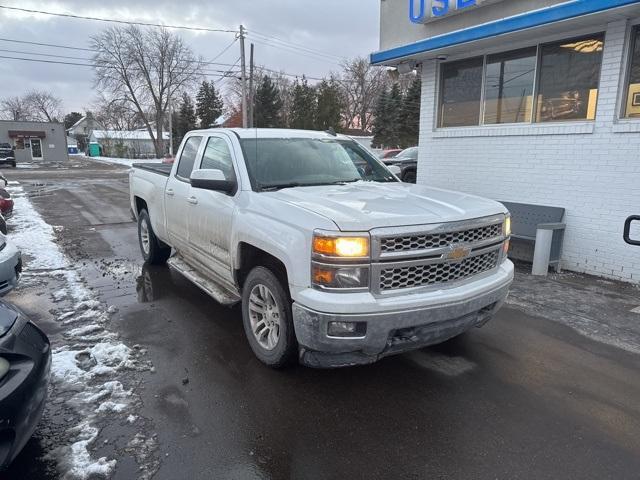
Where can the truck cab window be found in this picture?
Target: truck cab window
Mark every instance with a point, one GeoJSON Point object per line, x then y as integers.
{"type": "Point", "coordinates": [188, 157]}
{"type": "Point", "coordinates": [218, 157]}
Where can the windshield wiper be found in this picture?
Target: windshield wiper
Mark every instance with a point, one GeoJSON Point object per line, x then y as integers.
{"type": "Point", "coordinates": [280, 186]}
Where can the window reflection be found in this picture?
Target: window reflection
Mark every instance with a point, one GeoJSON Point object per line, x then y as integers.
{"type": "Point", "coordinates": [632, 109]}
{"type": "Point", "coordinates": [509, 85]}
{"type": "Point", "coordinates": [461, 91]}
{"type": "Point", "coordinates": [569, 77]}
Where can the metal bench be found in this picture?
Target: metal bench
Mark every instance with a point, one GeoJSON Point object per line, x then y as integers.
{"type": "Point", "coordinates": [543, 226]}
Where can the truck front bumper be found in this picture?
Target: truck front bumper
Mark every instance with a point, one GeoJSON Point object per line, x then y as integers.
{"type": "Point", "coordinates": [390, 332]}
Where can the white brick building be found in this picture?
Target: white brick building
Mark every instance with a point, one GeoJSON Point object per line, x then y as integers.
{"type": "Point", "coordinates": [565, 132]}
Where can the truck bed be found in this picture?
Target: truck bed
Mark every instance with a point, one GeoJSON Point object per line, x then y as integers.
{"type": "Point", "coordinates": [159, 168]}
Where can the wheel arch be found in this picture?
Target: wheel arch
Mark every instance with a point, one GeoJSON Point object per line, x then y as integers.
{"type": "Point", "coordinates": [249, 256]}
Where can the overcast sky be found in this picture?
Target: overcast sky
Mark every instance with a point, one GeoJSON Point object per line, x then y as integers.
{"type": "Point", "coordinates": [339, 27]}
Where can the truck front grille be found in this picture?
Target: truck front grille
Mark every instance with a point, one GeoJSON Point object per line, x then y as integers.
{"type": "Point", "coordinates": [405, 243]}
{"type": "Point", "coordinates": [394, 278]}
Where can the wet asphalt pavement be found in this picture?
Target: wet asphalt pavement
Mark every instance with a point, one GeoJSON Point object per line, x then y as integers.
{"type": "Point", "coordinates": [521, 398]}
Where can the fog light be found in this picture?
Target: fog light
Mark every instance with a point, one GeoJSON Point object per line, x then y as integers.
{"type": "Point", "coordinates": [347, 329]}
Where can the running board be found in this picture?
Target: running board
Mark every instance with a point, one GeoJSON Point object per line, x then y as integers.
{"type": "Point", "coordinates": [216, 289]}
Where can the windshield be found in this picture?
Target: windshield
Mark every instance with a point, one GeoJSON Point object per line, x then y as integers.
{"type": "Point", "coordinates": [409, 153]}
{"type": "Point", "coordinates": [287, 162]}
{"type": "Point", "coordinates": [5, 146]}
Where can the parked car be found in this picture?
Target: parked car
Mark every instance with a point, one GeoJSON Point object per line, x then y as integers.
{"type": "Point", "coordinates": [25, 363]}
{"type": "Point", "coordinates": [6, 203]}
{"type": "Point", "coordinates": [390, 153]}
{"type": "Point", "coordinates": [407, 160]}
{"type": "Point", "coordinates": [335, 264]}
{"type": "Point", "coordinates": [7, 155]}
{"type": "Point", "coordinates": [10, 265]}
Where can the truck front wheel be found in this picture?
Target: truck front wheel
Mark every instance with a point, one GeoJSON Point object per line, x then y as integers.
{"type": "Point", "coordinates": [153, 250]}
{"type": "Point", "coordinates": [267, 318]}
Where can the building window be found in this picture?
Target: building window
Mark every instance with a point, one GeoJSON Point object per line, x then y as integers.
{"type": "Point", "coordinates": [510, 79]}
{"type": "Point", "coordinates": [632, 106]}
{"type": "Point", "coordinates": [569, 77]}
{"type": "Point", "coordinates": [461, 93]}
{"type": "Point", "coordinates": [565, 87]}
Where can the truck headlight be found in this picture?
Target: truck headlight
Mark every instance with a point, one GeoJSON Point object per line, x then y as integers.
{"type": "Point", "coordinates": [340, 261]}
{"type": "Point", "coordinates": [506, 231]}
{"type": "Point", "coordinates": [4, 367]}
{"type": "Point", "coordinates": [339, 246]}
{"type": "Point", "coordinates": [340, 276]}
{"type": "Point", "coordinates": [506, 228]}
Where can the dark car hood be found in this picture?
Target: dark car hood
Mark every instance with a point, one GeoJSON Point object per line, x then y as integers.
{"type": "Point", "coordinates": [8, 316]}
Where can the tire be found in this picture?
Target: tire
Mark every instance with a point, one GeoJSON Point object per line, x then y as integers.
{"type": "Point", "coordinates": [262, 290]}
{"type": "Point", "coordinates": [13, 164]}
{"type": "Point", "coordinates": [409, 177]}
{"type": "Point", "coordinates": [154, 251]}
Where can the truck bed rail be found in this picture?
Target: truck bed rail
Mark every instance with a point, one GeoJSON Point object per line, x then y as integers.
{"type": "Point", "coordinates": [159, 168]}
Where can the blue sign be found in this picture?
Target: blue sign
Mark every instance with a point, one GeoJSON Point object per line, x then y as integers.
{"type": "Point", "coordinates": [418, 12]}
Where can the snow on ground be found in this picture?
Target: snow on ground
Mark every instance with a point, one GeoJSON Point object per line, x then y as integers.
{"type": "Point", "coordinates": [89, 360]}
{"type": "Point", "coordinates": [126, 161]}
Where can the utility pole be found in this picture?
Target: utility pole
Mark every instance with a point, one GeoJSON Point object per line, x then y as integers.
{"type": "Point", "coordinates": [244, 77]}
{"type": "Point", "coordinates": [170, 128]}
{"type": "Point", "coordinates": [251, 112]}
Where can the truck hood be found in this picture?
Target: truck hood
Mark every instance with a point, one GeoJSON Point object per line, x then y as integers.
{"type": "Point", "coordinates": [363, 206]}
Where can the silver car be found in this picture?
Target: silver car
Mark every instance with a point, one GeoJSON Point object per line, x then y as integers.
{"type": "Point", "coordinates": [10, 265]}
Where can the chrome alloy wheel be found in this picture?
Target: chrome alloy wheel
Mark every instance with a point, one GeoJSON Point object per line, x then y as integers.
{"type": "Point", "coordinates": [145, 238]}
{"type": "Point", "coordinates": [264, 315]}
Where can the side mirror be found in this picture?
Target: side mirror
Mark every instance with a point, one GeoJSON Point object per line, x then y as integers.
{"type": "Point", "coordinates": [395, 169]}
{"type": "Point", "coordinates": [212, 180]}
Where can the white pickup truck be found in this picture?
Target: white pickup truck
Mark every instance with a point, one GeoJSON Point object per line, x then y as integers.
{"type": "Point", "coordinates": [335, 261]}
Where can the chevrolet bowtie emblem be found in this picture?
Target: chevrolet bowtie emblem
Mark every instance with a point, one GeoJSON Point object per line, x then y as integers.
{"type": "Point", "coordinates": [458, 252]}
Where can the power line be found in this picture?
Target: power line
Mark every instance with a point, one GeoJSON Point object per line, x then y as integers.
{"type": "Point", "coordinates": [53, 45]}
{"type": "Point", "coordinates": [46, 44]}
{"type": "Point", "coordinates": [297, 45]}
{"type": "Point", "coordinates": [294, 51]}
{"type": "Point", "coordinates": [224, 50]}
{"type": "Point", "coordinates": [58, 62]}
{"type": "Point", "coordinates": [113, 20]}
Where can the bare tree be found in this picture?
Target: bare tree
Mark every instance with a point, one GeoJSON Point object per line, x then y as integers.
{"type": "Point", "coordinates": [361, 85]}
{"type": "Point", "coordinates": [144, 68]}
{"type": "Point", "coordinates": [116, 113]}
{"type": "Point", "coordinates": [15, 108]}
{"type": "Point", "coordinates": [44, 106]}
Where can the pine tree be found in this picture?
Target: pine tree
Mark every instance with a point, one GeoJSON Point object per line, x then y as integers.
{"type": "Point", "coordinates": [209, 104]}
{"type": "Point", "coordinates": [380, 130]}
{"type": "Point", "coordinates": [267, 105]}
{"type": "Point", "coordinates": [186, 117]}
{"type": "Point", "coordinates": [329, 107]}
{"type": "Point", "coordinates": [410, 116]}
{"type": "Point", "coordinates": [393, 116]}
{"type": "Point", "coordinates": [304, 106]}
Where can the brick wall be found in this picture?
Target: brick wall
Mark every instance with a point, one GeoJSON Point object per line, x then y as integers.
{"type": "Point", "coordinates": [590, 168]}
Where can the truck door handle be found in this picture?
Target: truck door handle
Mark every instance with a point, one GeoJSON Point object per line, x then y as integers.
{"type": "Point", "coordinates": [170, 192]}
{"type": "Point", "coordinates": [192, 200]}
{"type": "Point", "coordinates": [627, 230]}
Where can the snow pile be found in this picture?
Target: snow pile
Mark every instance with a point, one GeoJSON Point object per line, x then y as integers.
{"type": "Point", "coordinates": [90, 359]}
{"type": "Point", "coordinates": [36, 239]}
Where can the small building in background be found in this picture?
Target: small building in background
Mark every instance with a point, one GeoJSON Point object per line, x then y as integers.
{"type": "Point", "coordinates": [124, 143]}
{"type": "Point", "coordinates": [35, 141]}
